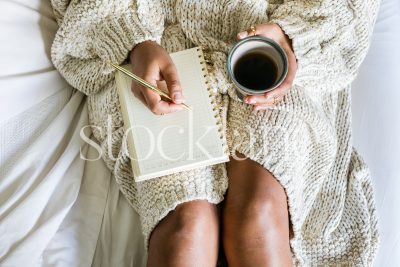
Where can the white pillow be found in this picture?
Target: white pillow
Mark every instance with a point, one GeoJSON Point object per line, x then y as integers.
{"type": "Point", "coordinates": [27, 76]}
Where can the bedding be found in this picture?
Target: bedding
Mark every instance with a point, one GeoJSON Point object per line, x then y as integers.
{"type": "Point", "coordinates": [49, 213]}
{"type": "Point", "coordinates": [55, 209]}
{"type": "Point", "coordinates": [376, 126]}
{"type": "Point", "coordinates": [58, 210]}
{"type": "Point", "coordinates": [26, 32]}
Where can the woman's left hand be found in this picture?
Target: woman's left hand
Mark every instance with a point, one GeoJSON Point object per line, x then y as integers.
{"type": "Point", "coordinates": [274, 32]}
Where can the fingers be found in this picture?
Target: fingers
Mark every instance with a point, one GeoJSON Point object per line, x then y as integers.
{"type": "Point", "coordinates": [271, 98]}
{"type": "Point", "coordinates": [155, 103]}
{"type": "Point", "coordinates": [268, 105]}
{"type": "Point", "coordinates": [152, 63]}
{"type": "Point", "coordinates": [242, 35]}
{"type": "Point", "coordinates": [263, 102]}
{"type": "Point", "coordinates": [170, 75]}
{"type": "Point", "coordinates": [153, 100]}
{"type": "Point", "coordinates": [137, 93]}
{"type": "Point", "coordinates": [158, 106]}
{"type": "Point", "coordinates": [250, 32]}
{"type": "Point", "coordinates": [266, 30]}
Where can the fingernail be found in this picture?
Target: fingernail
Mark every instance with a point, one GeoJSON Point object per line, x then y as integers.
{"type": "Point", "coordinates": [242, 34]}
{"type": "Point", "coordinates": [250, 101]}
{"type": "Point", "coordinates": [177, 97]}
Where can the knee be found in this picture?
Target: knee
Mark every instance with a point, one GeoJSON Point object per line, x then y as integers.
{"type": "Point", "coordinates": [190, 220]}
{"type": "Point", "coordinates": [268, 210]}
{"type": "Point", "coordinates": [254, 195]}
{"type": "Point", "coordinates": [186, 236]}
{"type": "Point", "coordinates": [263, 208]}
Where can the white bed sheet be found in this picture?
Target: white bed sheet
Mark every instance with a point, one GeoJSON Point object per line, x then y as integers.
{"type": "Point", "coordinates": [55, 209]}
{"type": "Point", "coordinates": [376, 126]}
{"type": "Point", "coordinates": [26, 32]}
{"type": "Point", "coordinates": [50, 212]}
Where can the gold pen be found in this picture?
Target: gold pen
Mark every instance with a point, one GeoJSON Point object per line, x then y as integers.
{"type": "Point", "coordinates": [145, 84]}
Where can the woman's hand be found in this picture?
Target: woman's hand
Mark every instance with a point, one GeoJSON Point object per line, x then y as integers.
{"type": "Point", "coordinates": [274, 32]}
{"type": "Point", "coordinates": [152, 63]}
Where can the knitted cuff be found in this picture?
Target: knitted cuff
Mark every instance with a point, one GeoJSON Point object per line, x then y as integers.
{"type": "Point", "coordinates": [116, 35]}
{"type": "Point", "coordinates": [297, 31]}
{"type": "Point", "coordinates": [306, 38]}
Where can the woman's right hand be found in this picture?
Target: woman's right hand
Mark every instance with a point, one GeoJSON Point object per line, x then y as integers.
{"type": "Point", "coordinates": [152, 63]}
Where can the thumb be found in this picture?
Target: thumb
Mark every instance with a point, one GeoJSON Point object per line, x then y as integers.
{"type": "Point", "coordinates": [172, 80]}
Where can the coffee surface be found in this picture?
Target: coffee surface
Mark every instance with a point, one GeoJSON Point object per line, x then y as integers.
{"type": "Point", "coordinates": [256, 71]}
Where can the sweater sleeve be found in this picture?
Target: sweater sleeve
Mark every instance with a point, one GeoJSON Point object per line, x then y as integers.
{"type": "Point", "coordinates": [330, 38]}
{"type": "Point", "coordinates": [92, 33]}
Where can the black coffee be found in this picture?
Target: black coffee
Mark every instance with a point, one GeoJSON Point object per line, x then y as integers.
{"type": "Point", "coordinates": [256, 71]}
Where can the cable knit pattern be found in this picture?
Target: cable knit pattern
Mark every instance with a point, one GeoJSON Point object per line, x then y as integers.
{"type": "Point", "coordinates": [305, 141]}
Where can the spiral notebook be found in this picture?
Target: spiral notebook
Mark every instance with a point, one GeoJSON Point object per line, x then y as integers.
{"type": "Point", "coordinates": [184, 140]}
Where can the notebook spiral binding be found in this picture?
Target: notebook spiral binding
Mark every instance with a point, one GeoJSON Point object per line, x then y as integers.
{"type": "Point", "coordinates": [212, 100]}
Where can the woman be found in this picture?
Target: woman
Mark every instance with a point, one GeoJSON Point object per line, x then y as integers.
{"type": "Point", "coordinates": [291, 148]}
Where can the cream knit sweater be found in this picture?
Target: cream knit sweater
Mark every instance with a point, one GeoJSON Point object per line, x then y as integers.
{"type": "Point", "coordinates": [305, 141]}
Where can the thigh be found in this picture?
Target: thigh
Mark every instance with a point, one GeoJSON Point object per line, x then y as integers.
{"type": "Point", "coordinates": [255, 217]}
{"type": "Point", "coordinates": [192, 217]}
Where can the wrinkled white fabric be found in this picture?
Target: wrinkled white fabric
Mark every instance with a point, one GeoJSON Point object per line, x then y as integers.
{"type": "Point", "coordinates": [376, 126]}
{"type": "Point", "coordinates": [41, 173]}
{"type": "Point", "coordinates": [27, 30]}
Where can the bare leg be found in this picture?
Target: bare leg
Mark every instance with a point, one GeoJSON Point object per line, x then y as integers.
{"type": "Point", "coordinates": [188, 236]}
{"type": "Point", "coordinates": [255, 218]}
